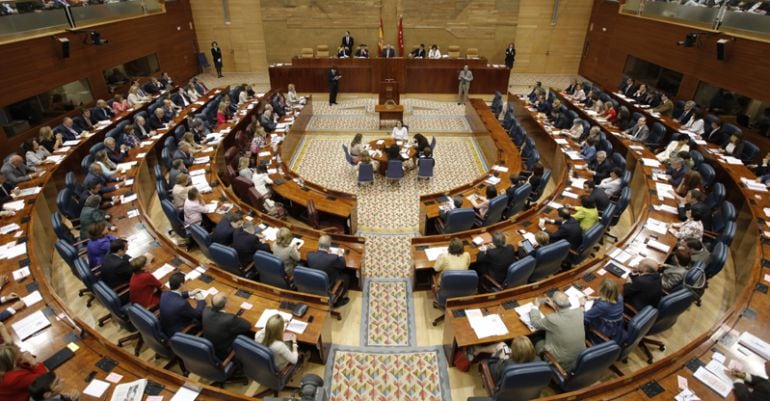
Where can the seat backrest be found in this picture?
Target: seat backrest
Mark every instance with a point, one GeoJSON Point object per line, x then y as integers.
{"type": "Point", "coordinates": [258, 362]}
{"type": "Point", "coordinates": [656, 133]}
{"type": "Point", "coordinates": [95, 148]}
{"type": "Point", "coordinates": [165, 156]}
{"type": "Point", "coordinates": [537, 192]}
{"type": "Point", "coordinates": [472, 52]}
{"type": "Point", "coordinates": [65, 202]}
{"type": "Point", "coordinates": [716, 196]}
{"type": "Point", "coordinates": [426, 168]}
{"type": "Point", "coordinates": [619, 161]}
{"type": "Point", "coordinates": [322, 51]}
{"type": "Point", "coordinates": [254, 198]}
{"type": "Point", "coordinates": [110, 300]}
{"type": "Point", "coordinates": [519, 199]}
{"type": "Point", "coordinates": [348, 158]}
{"type": "Point", "coordinates": [721, 216]}
{"type": "Point", "coordinates": [231, 154]}
{"type": "Point", "coordinates": [519, 272]}
{"type": "Point", "coordinates": [365, 172]}
{"type": "Point", "coordinates": [70, 181]}
{"type": "Point", "coordinates": [621, 204]}
{"type": "Point", "coordinates": [395, 169]}
{"type": "Point", "coordinates": [197, 354]}
{"type": "Point", "coordinates": [311, 281]}
{"type": "Point", "coordinates": [459, 219]}
{"type": "Point", "coordinates": [750, 151]}
{"type": "Point", "coordinates": [84, 273]}
{"type": "Point", "coordinates": [717, 260]}
{"type": "Point", "coordinates": [455, 284]}
{"type": "Point", "coordinates": [697, 158]}
{"type": "Point", "coordinates": [496, 208]}
{"type": "Point", "coordinates": [172, 214]}
{"type": "Point", "coordinates": [225, 257]}
{"type": "Point", "coordinates": [590, 238]}
{"type": "Point", "coordinates": [523, 381]}
{"type": "Point", "coordinates": [727, 234]}
{"type": "Point", "coordinates": [637, 328]}
{"type": "Point", "coordinates": [707, 173]}
{"type": "Point", "coordinates": [433, 143]}
{"type": "Point", "coordinates": [161, 189]}
{"type": "Point", "coordinates": [68, 252]}
{"type": "Point", "coordinates": [453, 51]}
{"type": "Point", "coordinates": [270, 269]}
{"type": "Point", "coordinates": [670, 308]}
{"type": "Point", "coordinates": [548, 259]}
{"type": "Point", "coordinates": [306, 52]}
{"type": "Point", "coordinates": [86, 163]}
{"type": "Point", "coordinates": [149, 328]}
{"type": "Point", "coordinates": [241, 186]}
{"type": "Point", "coordinates": [592, 365]}
{"type": "Point", "coordinates": [201, 237]}
{"type": "Point", "coordinates": [62, 231]}
{"type": "Point", "coordinates": [606, 216]}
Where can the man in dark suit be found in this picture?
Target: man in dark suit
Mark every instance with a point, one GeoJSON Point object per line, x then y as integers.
{"type": "Point", "coordinates": [643, 286]}
{"type": "Point", "coordinates": [388, 52]}
{"type": "Point", "coordinates": [362, 52]}
{"type": "Point", "coordinates": [221, 327]}
{"type": "Point", "coordinates": [743, 381]}
{"type": "Point", "coordinates": [418, 52]}
{"type": "Point", "coordinates": [102, 111]}
{"type": "Point", "coordinates": [569, 229]}
{"type": "Point", "coordinates": [141, 128]}
{"type": "Point", "coordinates": [223, 231]}
{"type": "Point", "coordinates": [183, 152]}
{"type": "Point", "coordinates": [600, 166]}
{"type": "Point", "coordinates": [154, 86]}
{"type": "Point", "coordinates": [158, 119]}
{"type": "Point", "coordinates": [716, 134]}
{"type": "Point", "coordinates": [175, 311]}
{"type": "Point", "coordinates": [693, 201]}
{"type": "Point", "coordinates": [677, 171]}
{"type": "Point", "coordinates": [246, 244]}
{"type": "Point", "coordinates": [83, 122]}
{"type": "Point", "coordinates": [333, 265]}
{"type": "Point", "coordinates": [116, 265]}
{"type": "Point", "coordinates": [180, 98]}
{"type": "Point", "coordinates": [496, 259]}
{"type": "Point", "coordinates": [639, 131]}
{"type": "Point", "coordinates": [68, 130]}
{"type": "Point", "coordinates": [96, 176]}
{"type": "Point", "coordinates": [347, 40]}
{"type": "Point", "coordinates": [267, 122]}
{"type": "Point", "coordinates": [333, 80]}
{"type": "Point", "coordinates": [6, 190]}
{"type": "Point", "coordinates": [177, 167]}
{"type": "Point", "coordinates": [597, 195]}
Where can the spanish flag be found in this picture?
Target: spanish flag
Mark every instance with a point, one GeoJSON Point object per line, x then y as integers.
{"type": "Point", "coordinates": [400, 36]}
{"type": "Point", "coordinates": [381, 40]}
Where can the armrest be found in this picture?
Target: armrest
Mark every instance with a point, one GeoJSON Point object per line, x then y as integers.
{"type": "Point", "coordinates": [550, 359]}
{"type": "Point", "coordinates": [78, 243]}
{"type": "Point", "coordinates": [122, 290]}
{"type": "Point", "coordinates": [710, 234]}
{"type": "Point", "coordinates": [599, 334]}
{"type": "Point", "coordinates": [492, 281]}
{"type": "Point", "coordinates": [486, 377]}
{"type": "Point", "coordinates": [573, 252]}
{"type": "Point", "coordinates": [440, 224]}
{"type": "Point", "coordinates": [248, 268]}
{"type": "Point", "coordinates": [336, 289]}
{"type": "Point", "coordinates": [228, 359]}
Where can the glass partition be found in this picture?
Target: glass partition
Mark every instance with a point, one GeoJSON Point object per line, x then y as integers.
{"type": "Point", "coordinates": [653, 75]}
{"type": "Point", "coordinates": [749, 17]}
{"type": "Point", "coordinates": [122, 74]}
{"type": "Point", "coordinates": [734, 108]}
{"type": "Point", "coordinates": [28, 16]}
{"type": "Point", "coordinates": [37, 110]}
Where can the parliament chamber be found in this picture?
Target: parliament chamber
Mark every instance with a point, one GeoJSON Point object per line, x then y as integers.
{"type": "Point", "coordinates": [268, 207]}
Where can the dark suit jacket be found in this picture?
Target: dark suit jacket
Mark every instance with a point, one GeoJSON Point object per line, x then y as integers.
{"type": "Point", "coordinates": [495, 262]}
{"type": "Point", "coordinates": [176, 313]}
{"type": "Point", "coordinates": [68, 134]}
{"type": "Point", "coordinates": [267, 123]}
{"type": "Point", "coordinates": [418, 52]}
{"type": "Point", "coordinates": [138, 130]}
{"type": "Point", "coordinates": [685, 116]}
{"type": "Point", "coordinates": [602, 170]}
{"type": "Point", "coordinates": [569, 230]}
{"type": "Point", "coordinates": [115, 155]}
{"type": "Point", "coordinates": [678, 175]}
{"type": "Point", "coordinates": [223, 232]}
{"type": "Point", "coordinates": [155, 123]}
{"type": "Point", "coordinates": [330, 79]}
{"type": "Point", "coordinates": [246, 245]}
{"type": "Point", "coordinates": [221, 328]}
{"type": "Point", "coordinates": [600, 198]}
{"type": "Point", "coordinates": [99, 114]}
{"type": "Point", "coordinates": [216, 56]}
{"type": "Point", "coordinates": [5, 192]}
{"type": "Point", "coordinates": [82, 124]}
{"type": "Point", "coordinates": [388, 53]}
{"type": "Point", "coordinates": [643, 290]}
{"type": "Point", "coordinates": [761, 390]}
{"type": "Point", "coordinates": [187, 158]}
{"type": "Point", "coordinates": [716, 136]}
{"type": "Point", "coordinates": [348, 41]}
{"type": "Point", "coordinates": [328, 262]}
{"type": "Point", "coordinates": [116, 270]}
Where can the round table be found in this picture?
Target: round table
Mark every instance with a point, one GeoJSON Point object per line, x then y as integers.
{"type": "Point", "coordinates": [378, 151]}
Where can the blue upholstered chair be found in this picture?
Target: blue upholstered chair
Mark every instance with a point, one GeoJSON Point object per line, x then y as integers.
{"type": "Point", "coordinates": [365, 173]}
{"type": "Point", "coordinates": [548, 259]}
{"type": "Point", "coordinates": [270, 270]}
{"type": "Point", "coordinates": [497, 207]}
{"type": "Point", "coordinates": [227, 258]}
{"type": "Point", "coordinates": [592, 365]}
{"type": "Point", "coordinates": [717, 260]}
{"type": "Point", "coordinates": [453, 284]}
{"type": "Point", "coordinates": [68, 205]}
{"type": "Point", "coordinates": [425, 168]}
{"type": "Point", "coordinates": [175, 218]}
{"type": "Point", "coordinates": [395, 170]}
{"type": "Point", "coordinates": [201, 238]}
{"type": "Point", "coordinates": [590, 238]}
{"type": "Point", "coordinates": [518, 274]}
{"type": "Point", "coordinates": [670, 307]}
{"type": "Point", "coordinates": [152, 334]}
{"type": "Point", "coordinates": [314, 281]}
{"type": "Point", "coordinates": [518, 382]}
{"type": "Point", "coordinates": [518, 201]}
{"type": "Point", "coordinates": [638, 327]}
{"type": "Point", "coordinates": [259, 365]}
{"type": "Point", "coordinates": [459, 219]}
{"type": "Point", "coordinates": [707, 173]}
{"type": "Point", "coordinates": [197, 354]}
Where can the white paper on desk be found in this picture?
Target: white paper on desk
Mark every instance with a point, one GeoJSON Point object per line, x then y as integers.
{"type": "Point", "coordinates": [20, 274]}
{"type": "Point", "coordinates": [63, 149]}
{"type": "Point", "coordinates": [9, 228]}
{"type": "Point", "coordinates": [637, 147]}
{"type": "Point", "coordinates": [523, 312]}
{"type": "Point", "coordinates": [650, 162]}
{"type": "Point", "coordinates": [123, 167]}
{"type": "Point", "coordinates": [201, 183]}
{"type": "Point", "coordinates": [145, 143]}
{"type": "Point", "coordinates": [32, 298]}
{"type": "Point", "coordinates": [29, 191]}
{"type": "Point", "coordinates": [268, 313]}
{"type": "Point", "coordinates": [432, 253]}
{"type": "Point", "coordinates": [133, 391]}
{"type": "Point", "coordinates": [128, 182]}
{"type": "Point", "coordinates": [574, 297]}
{"type": "Point", "coordinates": [658, 246]}
{"type": "Point", "coordinates": [500, 168]}
{"type": "Point", "coordinates": [73, 142]}
{"type": "Point", "coordinates": [14, 206]}
{"type": "Point", "coordinates": [114, 378]}
{"type": "Point", "coordinates": [656, 226]}
{"type": "Point", "coordinates": [14, 251]}
{"type": "Point", "coordinates": [55, 159]}
{"type": "Point", "coordinates": [755, 344]}
{"type": "Point", "coordinates": [264, 154]}
{"type": "Point", "coordinates": [573, 155]}
{"type": "Point", "coordinates": [766, 210]}
{"type": "Point", "coordinates": [561, 141]}
{"type": "Point", "coordinates": [492, 180]}
{"type": "Point", "coordinates": [620, 255]}
{"type": "Point", "coordinates": [185, 394]}
{"type": "Point", "coordinates": [202, 160]}
{"type": "Point", "coordinates": [555, 205]}
{"type": "Point", "coordinates": [96, 388]}
{"type": "Point", "coordinates": [569, 194]}
{"type": "Point", "coordinates": [665, 190]}
{"type": "Point", "coordinates": [162, 271]}
{"type": "Point", "coordinates": [132, 213]}
{"type": "Point", "coordinates": [578, 182]}
{"type": "Point", "coordinates": [198, 172]}
{"type": "Point", "coordinates": [666, 208]}
{"type": "Point", "coordinates": [207, 150]}
{"type": "Point", "coordinates": [212, 206]}
{"type": "Point", "coordinates": [686, 395]}
{"type": "Point", "coordinates": [141, 155]}
{"type": "Point", "coordinates": [270, 233]}
{"type": "Point", "coordinates": [127, 199]}
{"type": "Point", "coordinates": [733, 160]}
{"type": "Point", "coordinates": [30, 325]}
{"type": "Point", "coordinates": [296, 326]}
{"type": "Point", "coordinates": [754, 186]}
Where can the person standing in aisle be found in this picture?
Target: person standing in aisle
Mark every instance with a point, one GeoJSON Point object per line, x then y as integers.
{"type": "Point", "coordinates": [465, 77]}
{"type": "Point", "coordinates": [333, 79]}
{"type": "Point", "coordinates": [216, 55]}
{"type": "Point", "coordinates": [510, 55]}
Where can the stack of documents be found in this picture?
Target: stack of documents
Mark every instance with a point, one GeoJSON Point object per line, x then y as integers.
{"type": "Point", "coordinates": [755, 344]}
{"type": "Point", "coordinates": [656, 226]}
{"type": "Point", "coordinates": [650, 162]}
{"type": "Point", "coordinates": [665, 190]}
{"type": "Point", "coordinates": [492, 180]}
{"type": "Point", "coordinates": [753, 185]}
{"type": "Point", "coordinates": [163, 271]}
{"type": "Point", "coordinates": [268, 313]}
{"type": "Point", "coordinates": [485, 326]}
{"type": "Point", "coordinates": [523, 312]}
{"type": "Point", "coordinates": [199, 181]}
{"type": "Point", "coordinates": [500, 168]}
{"type": "Point", "coordinates": [30, 325]}
{"type": "Point", "coordinates": [14, 206]}
{"type": "Point", "coordinates": [432, 253]}
{"type": "Point", "coordinates": [202, 160]}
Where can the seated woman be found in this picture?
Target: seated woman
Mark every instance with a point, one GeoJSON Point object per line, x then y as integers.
{"type": "Point", "coordinates": [99, 243]}
{"type": "Point", "coordinates": [456, 257]}
{"type": "Point", "coordinates": [191, 92]}
{"type": "Point", "coordinates": [421, 142]}
{"type": "Point", "coordinates": [221, 113]}
{"type": "Point", "coordinates": [188, 137]}
{"type": "Point", "coordinates": [678, 144]}
{"type": "Point", "coordinates": [609, 113]}
{"type": "Point", "coordinates": [586, 214]}
{"type": "Point", "coordinates": [606, 314]}
{"type": "Point", "coordinates": [119, 104]}
{"type": "Point", "coordinates": [261, 180]}
{"type": "Point", "coordinates": [143, 289]}
{"type": "Point", "coordinates": [108, 166]}
{"type": "Point", "coordinates": [18, 369]}
{"type": "Point", "coordinates": [135, 98]}
{"type": "Point", "coordinates": [34, 153]}
{"type": "Point", "coordinates": [259, 141]}
{"type": "Point", "coordinates": [366, 159]}
{"type": "Point", "coordinates": [48, 140]}
{"type": "Point", "coordinates": [273, 337]}
{"type": "Point", "coordinates": [356, 147]}
{"type": "Point", "coordinates": [285, 249]}
{"type": "Point", "coordinates": [692, 180]}
{"type": "Point", "coordinates": [400, 132]}
{"type": "Point", "coordinates": [291, 95]}
{"type": "Point", "coordinates": [244, 168]}
{"type": "Point", "coordinates": [734, 146]}
{"type": "Point", "coordinates": [696, 123]}
{"type": "Point", "coordinates": [576, 131]}
{"type": "Point", "coordinates": [481, 203]}
{"type": "Point", "coordinates": [195, 211]}
{"type": "Point", "coordinates": [129, 137]}
{"type": "Point", "coordinates": [692, 228]}
{"type": "Point", "coordinates": [180, 189]}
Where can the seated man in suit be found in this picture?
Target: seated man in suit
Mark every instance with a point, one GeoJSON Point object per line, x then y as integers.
{"type": "Point", "coordinates": [114, 152]}
{"type": "Point", "coordinates": [246, 244]}
{"type": "Point", "coordinates": [495, 258]}
{"type": "Point", "coordinates": [199, 130]}
{"type": "Point", "coordinates": [332, 264]}
{"type": "Point", "coordinates": [141, 128]}
{"type": "Point", "coordinates": [102, 111]}
{"type": "Point", "coordinates": [15, 171]}
{"type": "Point", "coordinates": [600, 167]}
{"type": "Point", "coordinates": [68, 130]}
{"type": "Point", "coordinates": [457, 202]}
{"type": "Point", "coordinates": [221, 327]}
{"type": "Point", "coordinates": [564, 330]}
{"type": "Point", "coordinates": [177, 167]}
{"type": "Point", "coordinates": [116, 265]}
{"type": "Point", "coordinates": [743, 382]}
{"type": "Point", "coordinates": [362, 52]}
{"type": "Point", "coordinates": [154, 86]}
{"type": "Point", "coordinates": [223, 231]}
{"type": "Point", "coordinates": [569, 229]}
{"type": "Point", "coordinates": [266, 120]}
{"type": "Point", "coordinates": [643, 285]}
{"type": "Point", "coordinates": [158, 119]}
{"type": "Point", "coordinates": [666, 106]}
{"type": "Point", "coordinates": [176, 313]}
{"type": "Point", "coordinates": [541, 105]}
{"type": "Point", "coordinates": [184, 152]}
{"type": "Point", "coordinates": [83, 122]}
{"type": "Point", "coordinates": [693, 201]}
{"type": "Point", "coordinates": [715, 133]}
{"type": "Point", "coordinates": [419, 52]}
{"type": "Point", "coordinates": [639, 131]}
{"type": "Point", "coordinates": [388, 51]}
{"type": "Point", "coordinates": [279, 104]}
{"type": "Point", "coordinates": [96, 175]}
{"type": "Point", "coordinates": [7, 190]}
{"type": "Point", "coordinates": [677, 171]}
{"type": "Point", "coordinates": [597, 195]}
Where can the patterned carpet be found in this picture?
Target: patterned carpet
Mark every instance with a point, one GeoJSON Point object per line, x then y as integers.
{"type": "Point", "coordinates": [387, 313]}
{"type": "Point", "coordinates": [358, 114]}
{"type": "Point", "coordinates": [414, 375]}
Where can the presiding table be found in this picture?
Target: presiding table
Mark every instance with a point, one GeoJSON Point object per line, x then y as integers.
{"type": "Point", "coordinates": [378, 150]}
{"type": "Point", "coordinates": [388, 112]}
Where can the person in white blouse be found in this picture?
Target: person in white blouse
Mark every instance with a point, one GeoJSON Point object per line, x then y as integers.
{"type": "Point", "coordinates": [34, 153]}
{"type": "Point", "coordinates": [679, 144]}
{"type": "Point", "coordinates": [273, 337]}
{"type": "Point", "coordinates": [135, 98]}
{"type": "Point", "coordinates": [261, 180]}
{"type": "Point", "coordinates": [244, 97]}
{"type": "Point", "coordinates": [611, 185]}
{"type": "Point", "coordinates": [291, 95]}
{"type": "Point", "coordinates": [192, 93]}
{"type": "Point", "coordinates": [580, 94]}
{"type": "Point", "coordinates": [399, 131]}
{"type": "Point", "coordinates": [696, 123]}
{"type": "Point", "coordinates": [434, 52]}
{"type": "Point", "coordinates": [576, 131]}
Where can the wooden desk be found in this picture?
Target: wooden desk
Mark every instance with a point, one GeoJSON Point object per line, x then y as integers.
{"type": "Point", "coordinates": [379, 151]}
{"type": "Point", "coordinates": [389, 112]}
{"type": "Point", "coordinates": [364, 75]}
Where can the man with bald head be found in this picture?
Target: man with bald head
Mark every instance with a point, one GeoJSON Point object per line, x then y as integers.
{"type": "Point", "coordinates": [643, 286]}
{"type": "Point", "coordinates": [221, 327]}
{"type": "Point", "coordinates": [68, 130]}
{"type": "Point", "coordinates": [564, 330]}
{"type": "Point", "coordinates": [15, 171]}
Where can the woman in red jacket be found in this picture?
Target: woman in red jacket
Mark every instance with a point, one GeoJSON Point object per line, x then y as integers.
{"type": "Point", "coordinates": [17, 371]}
{"type": "Point", "coordinates": [143, 289]}
{"type": "Point", "coordinates": [609, 112]}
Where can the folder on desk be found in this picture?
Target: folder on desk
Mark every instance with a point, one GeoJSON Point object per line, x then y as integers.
{"type": "Point", "coordinates": [30, 325]}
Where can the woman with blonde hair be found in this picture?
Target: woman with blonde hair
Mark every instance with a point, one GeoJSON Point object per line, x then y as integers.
{"type": "Point", "coordinates": [18, 369]}
{"type": "Point", "coordinates": [48, 140]}
{"type": "Point", "coordinates": [291, 95]}
{"type": "Point", "coordinates": [456, 257]}
{"type": "Point", "coordinates": [221, 113]}
{"type": "Point", "coordinates": [356, 147]}
{"type": "Point", "coordinates": [272, 336]}
{"type": "Point", "coordinates": [243, 168]}
{"type": "Point", "coordinates": [190, 138]}
{"type": "Point", "coordinates": [119, 104]}
{"type": "Point", "coordinates": [606, 314]}
{"type": "Point", "coordinates": [136, 99]}
{"type": "Point", "coordinates": [108, 166]}
{"type": "Point", "coordinates": [287, 251]}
